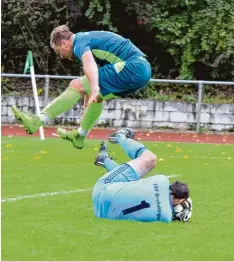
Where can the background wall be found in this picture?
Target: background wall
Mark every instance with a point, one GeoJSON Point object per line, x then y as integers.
{"type": "Point", "coordinates": [137, 114]}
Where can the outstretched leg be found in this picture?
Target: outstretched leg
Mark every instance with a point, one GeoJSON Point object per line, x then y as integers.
{"type": "Point", "coordinates": [61, 104]}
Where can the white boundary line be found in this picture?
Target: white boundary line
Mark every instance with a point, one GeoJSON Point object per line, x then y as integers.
{"type": "Point", "coordinates": [201, 157]}
{"type": "Point", "coordinates": [51, 194]}
{"type": "Point", "coordinates": [174, 175]}
{"type": "Point", "coordinates": [46, 194]}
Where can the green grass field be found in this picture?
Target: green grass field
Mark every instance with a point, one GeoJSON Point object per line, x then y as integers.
{"type": "Point", "coordinates": [62, 226]}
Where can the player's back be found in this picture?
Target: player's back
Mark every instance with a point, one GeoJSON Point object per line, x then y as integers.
{"type": "Point", "coordinates": [106, 46]}
{"type": "Point", "coordinates": [143, 200]}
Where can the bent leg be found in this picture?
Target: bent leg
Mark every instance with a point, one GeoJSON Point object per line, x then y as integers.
{"type": "Point", "coordinates": [144, 163]}
{"type": "Point", "coordinates": [131, 147]}
{"type": "Point", "coordinates": [143, 160]}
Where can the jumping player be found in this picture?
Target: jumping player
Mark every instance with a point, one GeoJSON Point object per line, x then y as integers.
{"type": "Point", "coordinates": [113, 67]}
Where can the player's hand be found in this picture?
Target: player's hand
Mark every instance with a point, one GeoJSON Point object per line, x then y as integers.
{"type": "Point", "coordinates": [94, 96]}
{"type": "Point", "coordinates": [184, 215]}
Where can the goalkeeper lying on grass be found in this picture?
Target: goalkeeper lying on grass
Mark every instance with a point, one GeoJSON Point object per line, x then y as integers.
{"type": "Point", "coordinates": [123, 194]}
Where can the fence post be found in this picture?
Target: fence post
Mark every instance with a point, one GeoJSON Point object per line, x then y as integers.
{"type": "Point", "coordinates": [47, 85]}
{"type": "Point", "coordinates": [200, 94]}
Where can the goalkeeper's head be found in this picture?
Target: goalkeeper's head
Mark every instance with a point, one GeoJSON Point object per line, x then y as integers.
{"type": "Point", "coordinates": [179, 192]}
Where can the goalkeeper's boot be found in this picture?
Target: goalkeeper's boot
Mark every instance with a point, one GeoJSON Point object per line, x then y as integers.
{"type": "Point", "coordinates": [73, 136]}
{"type": "Point", "coordinates": [30, 122]}
{"type": "Point", "coordinates": [102, 155]}
{"type": "Point", "coordinates": [127, 132]}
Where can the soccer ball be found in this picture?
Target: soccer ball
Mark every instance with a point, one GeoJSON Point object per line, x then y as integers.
{"type": "Point", "coordinates": [183, 211]}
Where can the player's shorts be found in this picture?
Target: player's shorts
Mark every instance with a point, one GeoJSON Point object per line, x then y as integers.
{"type": "Point", "coordinates": [124, 173]}
{"type": "Point", "coordinates": [122, 78]}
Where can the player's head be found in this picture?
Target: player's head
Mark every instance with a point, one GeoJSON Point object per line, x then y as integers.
{"type": "Point", "coordinates": [179, 192]}
{"type": "Point", "coordinates": [61, 40]}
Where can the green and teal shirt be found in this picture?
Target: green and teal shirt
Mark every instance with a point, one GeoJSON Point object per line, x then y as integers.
{"type": "Point", "coordinates": [106, 47]}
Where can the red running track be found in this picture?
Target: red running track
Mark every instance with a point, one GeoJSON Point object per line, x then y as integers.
{"type": "Point", "coordinates": [16, 130]}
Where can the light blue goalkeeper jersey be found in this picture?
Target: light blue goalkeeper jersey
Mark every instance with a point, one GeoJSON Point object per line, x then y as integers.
{"type": "Point", "coordinates": [145, 200]}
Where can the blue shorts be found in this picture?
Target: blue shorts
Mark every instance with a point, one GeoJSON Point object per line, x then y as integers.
{"type": "Point", "coordinates": [122, 174]}
{"type": "Point", "coordinates": [122, 78]}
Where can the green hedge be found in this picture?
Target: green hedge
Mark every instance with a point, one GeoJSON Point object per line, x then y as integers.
{"type": "Point", "coordinates": [183, 39]}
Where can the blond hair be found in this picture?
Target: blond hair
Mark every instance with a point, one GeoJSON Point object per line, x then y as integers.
{"type": "Point", "coordinates": [59, 33]}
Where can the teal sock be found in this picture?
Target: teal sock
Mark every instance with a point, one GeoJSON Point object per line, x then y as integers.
{"type": "Point", "coordinates": [110, 164]}
{"type": "Point", "coordinates": [131, 147]}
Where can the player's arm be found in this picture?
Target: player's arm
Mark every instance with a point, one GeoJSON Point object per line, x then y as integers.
{"type": "Point", "coordinates": [91, 71]}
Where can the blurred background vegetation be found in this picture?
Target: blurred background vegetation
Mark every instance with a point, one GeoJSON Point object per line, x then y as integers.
{"type": "Point", "coordinates": [183, 39]}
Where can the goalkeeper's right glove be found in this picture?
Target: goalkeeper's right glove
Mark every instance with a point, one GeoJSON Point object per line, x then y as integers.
{"type": "Point", "coordinates": [186, 213]}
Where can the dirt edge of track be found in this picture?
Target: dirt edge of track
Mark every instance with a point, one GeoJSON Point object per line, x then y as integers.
{"type": "Point", "coordinates": [103, 133]}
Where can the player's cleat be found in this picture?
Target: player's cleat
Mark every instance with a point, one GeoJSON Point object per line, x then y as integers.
{"type": "Point", "coordinates": [102, 154]}
{"type": "Point", "coordinates": [127, 132]}
{"type": "Point", "coordinates": [73, 136]}
{"type": "Point", "coordinates": [30, 122]}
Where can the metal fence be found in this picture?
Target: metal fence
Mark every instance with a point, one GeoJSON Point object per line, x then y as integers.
{"type": "Point", "coordinates": [200, 84]}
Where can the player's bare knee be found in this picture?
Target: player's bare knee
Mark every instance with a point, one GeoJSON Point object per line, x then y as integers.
{"type": "Point", "coordinates": [150, 159]}
{"type": "Point", "coordinates": [76, 84]}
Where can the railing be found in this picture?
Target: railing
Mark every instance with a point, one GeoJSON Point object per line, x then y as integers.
{"type": "Point", "coordinates": [200, 85]}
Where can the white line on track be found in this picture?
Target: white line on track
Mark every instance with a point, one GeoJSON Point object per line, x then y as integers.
{"type": "Point", "coordinates": [51, 194]}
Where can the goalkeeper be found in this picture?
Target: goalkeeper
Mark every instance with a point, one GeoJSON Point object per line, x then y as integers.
{"type": "Point", "coordinates": [123, 194]}
{"type": "Point", "coordinates": [123, 69]}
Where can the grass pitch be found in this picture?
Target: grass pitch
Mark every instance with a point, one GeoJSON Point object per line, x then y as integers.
{"type": "Point", "coordinates": [47, 209]}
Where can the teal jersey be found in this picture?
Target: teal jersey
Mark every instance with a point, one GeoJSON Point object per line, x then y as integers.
{"type": "Point", "coordinates": [106, 47]}
{"type": "Point", "coordinates": [145, 200]}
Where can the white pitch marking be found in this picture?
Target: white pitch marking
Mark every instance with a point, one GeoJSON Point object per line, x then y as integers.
{"type": "Point", "coordinates": [173, 176]}
{"type": "Point", "coordinates": [199, 157]}
{"type": "Point", "coordinates": [46, 194]}
{"type": "Point", "coordinates": [51, 194]}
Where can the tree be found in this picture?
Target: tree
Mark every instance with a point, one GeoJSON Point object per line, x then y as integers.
{"type": "Point", "coordinates": [185, 39]}
{"type": "Point", "coordinates": [199, 35]}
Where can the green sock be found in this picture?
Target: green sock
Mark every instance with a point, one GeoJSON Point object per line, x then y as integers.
{"type": "Point", "coordinates": [91, 115]}
{"type": "Point", "coordinates": [63, 103]}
